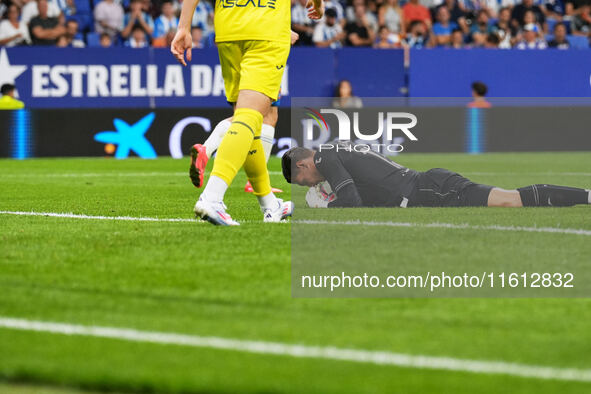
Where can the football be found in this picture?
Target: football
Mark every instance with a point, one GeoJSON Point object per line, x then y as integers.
{"type": "Point", "coordinates": [320, 195]}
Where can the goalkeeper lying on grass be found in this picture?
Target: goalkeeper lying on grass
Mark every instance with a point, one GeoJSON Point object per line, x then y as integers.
{"type": "Point", "coordinates": [368, 179]}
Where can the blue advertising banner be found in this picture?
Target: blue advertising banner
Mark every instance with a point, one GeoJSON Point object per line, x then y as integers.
{"type": "Point", "coordinates": [372, 72]}
{"type": "Point", "coordinates": [507, 73]}
{"type": "Point", "coordinates": [151, 78]}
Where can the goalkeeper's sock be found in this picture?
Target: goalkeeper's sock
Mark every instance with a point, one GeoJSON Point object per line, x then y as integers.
{"type": "Point", "coordinates": [215, 138]}
{"type": "Point", "coordinates": [553, 196]}
{"type": "Point", "coordinates": [267, 135]}
{"type": "Point", "coordinates": [236, 144]}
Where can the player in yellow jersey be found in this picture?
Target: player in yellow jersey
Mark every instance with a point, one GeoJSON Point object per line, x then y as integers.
{"type": "Point", "coordinates": [253, 39]}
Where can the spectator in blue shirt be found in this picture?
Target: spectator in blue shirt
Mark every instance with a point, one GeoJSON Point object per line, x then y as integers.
{"type": "Point", "coordinates": [457, 39]}
{"type": "Point", "coordinates": [137, 17]}
{"type": "Point", "coordinates": [480, 28]}
{"type": "Point", "coordinates": [203, 17]}
{"type": "Point", "coordinates": [417, 37]}
{"type": "Point", "coordinates": [443, 28]}
{"type": "Point", "coordinates": [559, 40]}
{"type": "Point", "coordinates": [166, 21]}
{"type": "Point", "coordinates": [197, 37]}
{"type": "Point", "coordinates": [531, 39]}
{"type": "Point", "coordinates": [137, 38]}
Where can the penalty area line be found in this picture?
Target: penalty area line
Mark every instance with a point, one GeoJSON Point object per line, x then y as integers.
{"type": "Point", "coordinates": [384, 358]}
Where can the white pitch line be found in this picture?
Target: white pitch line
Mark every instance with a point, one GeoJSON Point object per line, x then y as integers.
{"type": "Point", "coordinates": [109, 174]}
{"type": "Point", "coordinates": [452, 226]}
{"type": "Point", "coordinates": [464, 226]}
{"type": "Point", "coordinates": [304, 351]}
{"type": "Point", "coordinates": [91, 217]}
{"type": "Point", "coordinates": [528, 173]}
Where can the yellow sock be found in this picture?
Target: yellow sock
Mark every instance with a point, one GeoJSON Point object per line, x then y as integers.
{"type": "Point", "coordinates": [234, 148]}
{"type": "Point", "coordinates": [255, 167]}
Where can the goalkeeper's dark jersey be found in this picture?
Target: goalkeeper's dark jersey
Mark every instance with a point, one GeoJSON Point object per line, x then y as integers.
{"type": "Point", "coordinates": [366, 179]}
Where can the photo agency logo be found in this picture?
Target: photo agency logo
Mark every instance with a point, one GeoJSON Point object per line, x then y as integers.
{"type": "Point", "coordinates": [359, 127]}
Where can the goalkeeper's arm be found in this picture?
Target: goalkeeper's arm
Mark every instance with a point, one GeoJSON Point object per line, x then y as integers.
{"type": "Point", "coordinates": [341, 182]}
{"type": "Point", "coordinates": [347, 196]}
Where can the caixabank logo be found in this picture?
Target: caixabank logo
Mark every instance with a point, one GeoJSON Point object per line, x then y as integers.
{"type": "Point", "coordinates": [128, 138]}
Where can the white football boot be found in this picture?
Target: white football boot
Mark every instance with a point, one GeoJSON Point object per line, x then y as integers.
{"type": "Point", "coordinates": [283, 210]}
{"type": "Point", "coordinates": [214, 213]}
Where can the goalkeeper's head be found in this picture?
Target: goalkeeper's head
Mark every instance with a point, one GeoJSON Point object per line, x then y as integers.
{"type": "Point", "coordinates": [298, 167]}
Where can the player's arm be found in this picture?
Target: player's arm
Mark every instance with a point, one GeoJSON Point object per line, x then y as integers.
{"type": "Point", "coordinates": [340, 182]}
{"type": "Point", "coordinates": [182, 40]}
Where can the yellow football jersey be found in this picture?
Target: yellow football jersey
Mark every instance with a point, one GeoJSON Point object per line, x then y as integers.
{"type": "Point", "coordinates": [7, 102]}
{"type": "Point", "coordinates": [237, 20]}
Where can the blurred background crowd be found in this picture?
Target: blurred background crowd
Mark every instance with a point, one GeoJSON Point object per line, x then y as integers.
{"type": "Point", "coordinates": [453, 24]}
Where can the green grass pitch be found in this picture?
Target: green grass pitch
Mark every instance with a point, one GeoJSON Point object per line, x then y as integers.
{"type": "Point", "coordinates": [194, 278]}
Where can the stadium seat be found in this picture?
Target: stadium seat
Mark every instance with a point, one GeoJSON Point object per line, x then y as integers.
{"type": "Point", "coordinates": [93, 40]}
{"type": "Point", "coordinates": [578, 42]}
{"type": "Point", "coordinates": [82, 6]}
{"type": "Point", "coordinates": [551, 23]}
{"type": "Point", "coordinates": [84, 20]}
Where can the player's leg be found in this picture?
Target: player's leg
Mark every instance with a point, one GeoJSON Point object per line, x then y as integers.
{"type": "Point", "coordinates": [261, 75]}
{"type": "Point", "coordinates": [504, 198]}
{"type": "Point", "coordinates": [539, 196]}
{"type": "Point", "coordinates": [201, 153]}
{"type": "Point", "coordinates": [267, 137]}
{"type": "Point", "coordinates": [210, 205]}
{"type": "Point", "coordinates": [544, 195]}
{"type": "Point", "coordinates": [234, 148]}
{"type": "Point", "coordinates": [212, 143]}
{"type": "Point", "coordinates": [268, 130]}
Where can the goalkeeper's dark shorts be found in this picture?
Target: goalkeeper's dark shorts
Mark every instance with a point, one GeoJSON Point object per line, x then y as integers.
{"type": "Point", "coordinates": [439, 187]}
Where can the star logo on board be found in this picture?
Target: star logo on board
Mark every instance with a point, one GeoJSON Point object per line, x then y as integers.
{"type": "Point", "coordinates": [130, 138]}
{"type": "Point", "coordinates": [8, 72]}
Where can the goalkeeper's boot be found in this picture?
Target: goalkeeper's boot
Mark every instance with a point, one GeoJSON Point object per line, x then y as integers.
{"type": "Point", "coordinates": [248, 188]}
{"type": "Point", "coordinates": [214, 213]}
{"type": "Point", "coordinates": [198, 162]}
{"type": "Point", "coordinates": [284, 209]}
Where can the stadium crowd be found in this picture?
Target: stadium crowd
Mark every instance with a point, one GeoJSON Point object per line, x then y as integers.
{"type": "Point", "coordinates": [454, 24]}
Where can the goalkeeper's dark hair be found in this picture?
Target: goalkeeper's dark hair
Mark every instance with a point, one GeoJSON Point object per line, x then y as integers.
{"type": "Point", "coordinates": [293, 156]}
